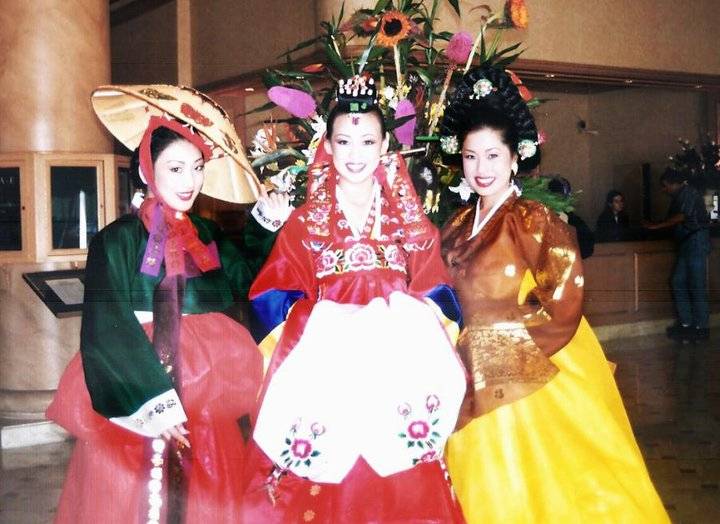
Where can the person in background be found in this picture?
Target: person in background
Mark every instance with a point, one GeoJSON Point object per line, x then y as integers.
{"type": "Point", "coordinates": [613, 224]}
{"type": "Point", "coordinates": [689, 221]}
{"type": "Point", "coordinates": [585, 236]}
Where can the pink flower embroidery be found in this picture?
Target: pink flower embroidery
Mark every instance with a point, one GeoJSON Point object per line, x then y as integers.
{"type": "Point", "coordinates": [301, 448]}
{"type": "Point", "coordinates": [394, 257]}
{"type": "Point", "coordinates": [432, 403]}
{"type": "Point", "coordinates": [360, 257]}
{"type": "Point", "coordinates": [319, 216]}
{"type": "Point", "coordinates": [428, 457]}
{"type": "Point", "coordinates": [326, 263]}
{"type": "Point", "coordinates": [418, 429]}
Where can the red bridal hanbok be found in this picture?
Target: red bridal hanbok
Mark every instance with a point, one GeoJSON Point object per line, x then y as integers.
{"type": "Point", "coordinates": [363, 385]}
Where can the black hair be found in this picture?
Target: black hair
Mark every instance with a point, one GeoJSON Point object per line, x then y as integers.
{"type": "Point", "coordinates": [673, 176]}
{"type": "Point", "coordinates": [161, 138]}
{"type": "Point", "coordinates": [343, 109]}
{"type": "Point", "coordinates": [502, 109]}
{"type": "Point", "coordinates": [611, 196]}
{"type": "Point", "coordinates": [560, 185]}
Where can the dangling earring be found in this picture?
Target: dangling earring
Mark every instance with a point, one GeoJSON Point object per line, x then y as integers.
{"type": "Point", "coordinates": [514, 168]}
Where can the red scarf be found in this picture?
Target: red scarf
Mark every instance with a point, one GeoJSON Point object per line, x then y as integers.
{"type": "Point", "coordinates": [171, 233]}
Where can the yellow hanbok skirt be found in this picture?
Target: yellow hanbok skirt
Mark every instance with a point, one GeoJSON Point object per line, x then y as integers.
{"type": "Point", "coordinates": [565, 453]}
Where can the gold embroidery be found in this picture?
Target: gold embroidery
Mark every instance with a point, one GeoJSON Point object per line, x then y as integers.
{"type": "Point", "coordinates": [315, 490]}
{"type": "Point", "coordinates": [309, 515]}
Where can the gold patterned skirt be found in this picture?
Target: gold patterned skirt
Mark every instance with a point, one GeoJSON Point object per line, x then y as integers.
{"type": "Point", "coordinates": [565, 453]}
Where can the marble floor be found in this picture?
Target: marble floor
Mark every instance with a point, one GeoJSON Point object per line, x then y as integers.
{"type": "Point", "coordinates": [671, 391]}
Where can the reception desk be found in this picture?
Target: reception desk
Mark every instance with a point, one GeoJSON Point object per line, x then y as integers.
{"type": "Point", "coordinates": [627, 282]}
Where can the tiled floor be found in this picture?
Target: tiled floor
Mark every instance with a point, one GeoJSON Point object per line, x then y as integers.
{"type": "Point", "coordinates": [672, 394]}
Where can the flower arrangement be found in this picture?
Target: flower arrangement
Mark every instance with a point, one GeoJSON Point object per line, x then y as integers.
{"type": "Point", "coordinates": [701, 164]}
{"type": "Point", "coordinates": [413, 65]}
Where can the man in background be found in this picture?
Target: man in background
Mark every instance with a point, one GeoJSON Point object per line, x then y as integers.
{"type": "Point", "coordinates": [689, 221]}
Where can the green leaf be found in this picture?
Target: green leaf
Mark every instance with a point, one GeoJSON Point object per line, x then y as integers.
{"type": "Point", "coordinates": [307, 462]}
{"type": "Point", "coordinates": [337, 61]}
{"type": "Point", "coordinates": [315, 453]}
{"type": "Point", "coordinates": [284, 453]}
{"type": "Point", "coordinates": [270, 79]}
{"type": "Point", "coordinates": [508, 49]}
{"type": "Point", "coordinates": [397, 122]}
{"type": "Point", "coordinates": [411, 443]}
{"type": "Point", "coordinates": [288, 441]}
{"type": "Point", "coordinates": [421, 444]}
{"type": "Point", "coordinates": [301, 45]}
{"type": "Point", "coordinates": [380, 6]}
{"type": "Point", "coordinates": [424, 74]}
{"type": "Point", "coordinates": [456, 5]}
{"type": "Point", "coordinates": [402, 435]}
{"type": "Point", "coordinates": [264, 107]}
{"type": "Point", "coordinates": [366, 54]}
{"type": "Point", "coordinates": [507, 60]}
{"type": "Point", "coordinates": [274, 157]}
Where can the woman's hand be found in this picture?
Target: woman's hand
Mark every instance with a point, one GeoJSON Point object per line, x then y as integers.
{"type": "Point", "coordinates": [274, 202]}
{"type": "Point", "coordinates": [271, 210]}
{"type": "Point", "coordinates": [178, 433]}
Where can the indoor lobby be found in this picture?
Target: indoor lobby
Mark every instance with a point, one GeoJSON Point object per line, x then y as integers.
{"type": "Point", "coordinates": [623, 90]}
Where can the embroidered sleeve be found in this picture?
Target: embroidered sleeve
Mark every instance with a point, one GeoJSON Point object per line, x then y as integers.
{"type": "Point", "coordinates": [154, 416]}
{"type": "Point", "coordinates": [270, 219]}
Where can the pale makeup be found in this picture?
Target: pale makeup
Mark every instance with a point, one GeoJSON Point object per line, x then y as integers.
{"type": "Point", "coordinates": [356, 145]}
{"type": "Point", "coordinates": [179, 175]}
{"type": "Point", "coordinates": [487, 164]}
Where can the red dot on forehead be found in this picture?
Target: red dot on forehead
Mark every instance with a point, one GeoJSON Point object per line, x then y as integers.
{"type": "Point", "coordinates": [355, 120]}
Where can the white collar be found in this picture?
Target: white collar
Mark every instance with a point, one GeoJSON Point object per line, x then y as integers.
{"type": "Point", "coordinates": [477, 224]}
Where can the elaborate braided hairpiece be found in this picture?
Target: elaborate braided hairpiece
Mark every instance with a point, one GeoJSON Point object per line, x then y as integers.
{"type": "Point", "coordinates": [487, 96]}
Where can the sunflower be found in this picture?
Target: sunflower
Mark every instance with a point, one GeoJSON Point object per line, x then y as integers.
{"type": "Point", "coordinates": [517, 12]}
{"type": "Point", "coordinates": [394, 27]}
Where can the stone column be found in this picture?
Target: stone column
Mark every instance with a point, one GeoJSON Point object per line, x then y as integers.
{"type": "Point", "coordinates": [53, 53]}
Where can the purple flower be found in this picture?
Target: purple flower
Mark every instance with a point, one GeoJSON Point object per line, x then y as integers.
{"type": "Point", "coordinates": [297, 103]}
{"type": "Point", "coordinates": [459, 47]}
{"type": "Point", "coordinates": [406, 132]}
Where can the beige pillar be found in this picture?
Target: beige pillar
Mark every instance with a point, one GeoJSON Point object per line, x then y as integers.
{"type": "Point", "coordinates": [54, 53]}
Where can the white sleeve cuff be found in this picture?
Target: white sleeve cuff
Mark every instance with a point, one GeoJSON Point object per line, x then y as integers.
{"type": "Point", "coordinates": [271, 219]}
{"type": "Point", "coordinates": [155, 416]}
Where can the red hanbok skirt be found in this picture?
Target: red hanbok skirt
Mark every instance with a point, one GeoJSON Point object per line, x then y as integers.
{"type": "Point", "coordinates": [108, 474]}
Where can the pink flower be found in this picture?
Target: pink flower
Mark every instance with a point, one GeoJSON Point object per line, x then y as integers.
{"type": "Point", "coordinates": [301, 448]}
{"type": "Point", "coordinates": [418, 429]}
{"type": "Point", "coordinates": [360, 257]}
{"type": "Point", "coordinates": [432, 403]}
{"type": "Point", "coordinates": [428, 457]}
{"type": "Point", "coordinates": [393, 256]}
{"type": "Point", "coordinates": [327, 261]}
{"type": "Point", "coordinates": [297, 103]}
{"type": "Point", "coordinates": [404, 409]}
{"type": "Point", "coordinates": [459, 47]}
{"type": "Point", "coordinates": [319, 216]}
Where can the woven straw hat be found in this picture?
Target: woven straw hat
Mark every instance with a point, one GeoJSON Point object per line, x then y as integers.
{"type": "Point", "coordinates": [126, 109]}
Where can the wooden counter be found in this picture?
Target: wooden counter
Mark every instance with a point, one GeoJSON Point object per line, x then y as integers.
{"type": "Point", "coordinates": [630, 281]}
